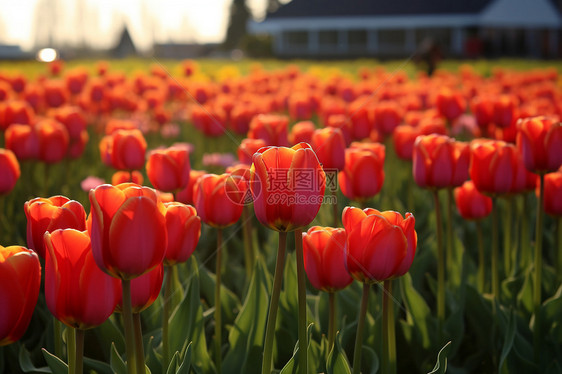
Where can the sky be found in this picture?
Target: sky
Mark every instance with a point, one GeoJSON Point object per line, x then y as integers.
{"type": "Point", "coordinates": [25, 22]}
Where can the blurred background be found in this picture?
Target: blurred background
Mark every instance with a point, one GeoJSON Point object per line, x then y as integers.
{"type": "Point", "coordinates": [317, 29]}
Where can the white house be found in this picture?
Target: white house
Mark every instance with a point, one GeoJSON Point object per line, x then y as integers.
{"type": "Point", "coordinates": [396, 28]}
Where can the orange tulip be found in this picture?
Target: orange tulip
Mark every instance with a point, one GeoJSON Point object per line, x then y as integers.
{"type": "Point", "coordinates": [128, 229]}
{"type": "Point", "coordinates": [77, 291]}
{"type": "Point", "coordinates": [183, 226]}
{"type": "Point", "coordinates": [301, 132]}
{"type": "Point", "coordinates": [127, 177]}
{"type": "Point", "coordinates": [380, 245]}
{"type": "Point", "coordinates": [540, 142]}
{"type": "Point", "coordinates": [247, 148]}
{"type": "Point", "coordinates": [363, 174]}
{"type": "Point", "coordinates": [324, 258]}
{"type": "Point", "coordinates": [48, 214]}
{"type": "Point", "coordinates": [287, 185]}
{"type": "Point", "coordinates": [440, 161]}
{"type": "Point", "coordinates": [20, 279]}
{"type": "Point", "coordinates": [168, 169]}
{"type": "Point", "coordinates": [271, 128]}
{"type": "Point", "coordinates": [472, 204]}
{"type": "Point", "coordinates": [329, 145]}
{"type": "Point", "coordinates": [215, 201]}
{"type": "Point", "coordinates": [9, 169]}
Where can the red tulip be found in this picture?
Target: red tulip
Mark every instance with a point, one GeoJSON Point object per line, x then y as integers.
{"type": "Point", "coordinates": [440, 161]}
{"type": "Point", "coordinates": [553, 193]}
{"type": "Point", "coordinates": [540, 142]}
{"type": "Point", "coordinates": [363, 174]}
{"type": "Point", "coordinates": [271, 128]}
{"type": "Point", "coordinates": [211, 121]}
{"type": "Point", "coordinates": [186, 195]}
{"type": "Point", "coordinates": [9, 169]}
{"type": "Point", "coordinates": [387, 116]}
{"type": "Point", "coordinates": [450, 104]}
{"type": "Point", "coordinates": [247, 148]}
{"type": "Point", "coordinates": [403, 138]}
{"type": "Point", "coordinates": [329, 145]}
{"type": "Point", "coordinates": [49, 214]}
{"type": "Point", "coordinates": [168, 169]}
{"type": "Point", "coordinates": [23, 141]}
{"type": "Point", "coordinates": [128, 150]}
{"type": "Point", "coordinates": [287, 185]}
{"type": "Point", "coordinates": [380, 245]}
{"type": "Point", "coordinates": [324, 258]}
{"type": "Point", "coordinates": [472, 204]}
{"type": "Point", "coordinates": [53, 140]}
{"type": "Point", "coordinates": [505, 110]}
{"type": "Point", "coordinates": [483, 109]}
{"type": "Point", "coordinates": [213, 198]}
{"type": "Point", "coordinates": [183, 226]}
{"type": "Point", "coordinates": [301, 132]}
{"type": "Point", "coordinates": [20, 279]}
{"type": "Point", "coordinates": [77, 291]}
{"type": "Point", "coordinates": [15, 112]}
{"type": "Point", "coordinates": [128, 229]}
{"type": "Point", "coordinates": [127, 177]}
{"type": "Point", "coordinates": [493, 166]}
{"type": "Point", "coordinates": [144, 290]}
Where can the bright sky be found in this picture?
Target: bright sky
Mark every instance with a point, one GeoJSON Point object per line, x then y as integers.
{"type": "Point", "coordinates": [148, 21]}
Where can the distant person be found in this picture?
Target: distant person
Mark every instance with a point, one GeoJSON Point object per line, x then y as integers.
{"type": "Point", "coordinates": [429, 53]}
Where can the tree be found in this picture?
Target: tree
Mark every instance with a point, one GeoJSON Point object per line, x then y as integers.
{"type": "Point", "coordinates": [239, 16]}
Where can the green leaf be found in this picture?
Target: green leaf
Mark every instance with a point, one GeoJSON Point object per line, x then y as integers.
{"type": "Point", "coordinates": [229, 300]}
{"type": "Point", "coordinates": [441, 364]}
{"type": "Point", "coordinates": [26, 365]}
{"type": "Point", "coordinates": [97, 366]}
{"type": "Point", "coordinates": [187, 324]}
{"type": "Point", "coordinates": [173, 365]}
{"type": "Point", "coordinates": [186, 363]}
{"type": "Point", "coordinates": [509, 338]}
{"type": "Point", "coordinates": [337, 360]}
{"type": "Point", "coordinates": [247, 334]}
{"type": "Point", "coordinates": [419, 313]}
{"type": "Point", "coordinates": [56, 365]}
{"type": "Point", "coordinates": [116, 362]}
{"type": "Point", "coordinates": [369, 360]}
{"type": "Point", "coordinates": [110, 332]}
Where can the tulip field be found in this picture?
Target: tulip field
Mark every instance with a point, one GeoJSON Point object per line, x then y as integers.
{"type": "Point", "coordinates": [273, 217]}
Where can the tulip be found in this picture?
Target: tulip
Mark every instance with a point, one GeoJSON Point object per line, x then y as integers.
{"type": "Point", "coordinates": [183, 226]}
{"type": "Point", "coordinates": [329, 145]}
{"type": "Point", "coordinates": [23, 141]}
{"type": "Point", "coordinates": [20, 279]}
{"type": "Point", "coordinates": [247, 148]}
{"type": "Point", "coordinates": [128, 229]}
{"type": "Point", "coordinates": [553, 193]}
{"type": "Point", "coordinates": [540, 141]}
{"type": "Point", "coordinates": [302, 132]}
{"type": "Point", "coordinates": [287, 185]}
{"type": "Point", "coordinates": [343, 123]}
{"type": "Point", "coordinates": [505, 110]}
{"type": "Point", "coordinates": [450, 104]}
{"type": "Point", "coordinates": [122, 176]}
{"type": "Point", "coordinates": [9, 169]}
{"type": "Point", "coordinates": [15, 111]}
{"type": "Point", "coordinates": [211, 121]}
{"type": "Point", "coordinates": [493, 165]}
{"type": "Point", "coordinates": [324, 262]}
{"type": "Point", "coordinates": [48, 214]}
{"type": "Point", "coordinates": [439, 161]}
{"type": "Point", "coordinates": [53, 141]}
{"type": "Point", "coordinates": [472, 204]}
{"type": "Point", "coordinates": [77, 291]}
{"type": "Point", "coordinates": [380, 247]}
{"type": "Point", "coordinates": [363, 174]}
{"type": "Point", "coordinates": [387, 116]}
{"type": "Point", "coordinates": [186, 195]}
{"type": "Point", "coordinates": [213, 199]}
{"type": "Point", "coordinates": [128, 150]}
{"type": "Point", "coordinates": [129, 239]}
{"type": "Point", "coordinates": [168, 169]}
{"type": "Point", "coordinates": [144, 290]}
{"type": "Point", "coordinates": [271, 128]}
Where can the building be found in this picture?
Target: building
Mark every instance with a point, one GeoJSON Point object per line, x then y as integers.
{"type": "Point", "coordinates": [397, 28]}
{"type": "Point", "coordinates": [125, 47]}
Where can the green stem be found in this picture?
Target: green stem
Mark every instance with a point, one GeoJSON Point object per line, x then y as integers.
{"type": "Point", "coordinates": [274, 305]}
{"type": "Point", "coordinates": [525, 235]}
{"type": "Point", "coordinates": [360, 328]}
{"type": "Point", "coordinates": [495, 275]}
{"type": "Point", "coordinates": [128, 324]}
{"type": "Point", "coordinates": [166, 316]}
{"type": "Point", "coordinates": [218, 315]}
{"type": "Point", "coordinates": [508, 222]}
{"type": "Point", "coordinates": [558, 246]}
{"type": "Point", "coordinates": [139, 348]}
{"type": "Point", "coordinates": [248, 242]}
{"type": "Point", "coordinates": [57, 329]}
{"type": "Point", "coordinates": [46, 181]}
{"type": "Point", "coordinates": [389, 337]}
{"type": "Point", "coordinates": [410, 183]}
{"type": "Point", "coordinates": [440, 262]}
{"type": "Point", "coordinates": [71, 349]}
{"type": "Point", "coordinates": [537, 338]}
{"type": "Point", "coordinates": [449, 227]}
{"type": "Point", "coordinates": [303, 321]}
{"type": "Point", "coordinates": [481, 258]}
{"type": "Point", "coordinates": [79, 351]}
{"type": "Point", "coordinates": [331, 320]}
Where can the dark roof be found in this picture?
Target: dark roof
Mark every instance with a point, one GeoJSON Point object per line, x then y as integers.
{"type": "Point", "coordinates": [328, 8]}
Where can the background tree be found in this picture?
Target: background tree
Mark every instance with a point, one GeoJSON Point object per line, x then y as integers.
{"type": "Point", "coordinates": [239, 16]}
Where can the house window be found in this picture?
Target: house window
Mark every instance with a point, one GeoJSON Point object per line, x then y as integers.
{"type": "Point", "coordinates": [328, 38]}
{"type": "Point", "coordinates": [395, 39]}
{"type": "Point", "coordinates": [441, 36]}
{"type": "Point", "coordinates": [296, 38]}
{"type": "Point", "coordinates": [357, 38]}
